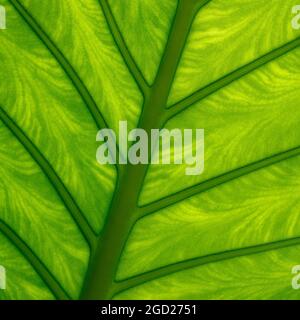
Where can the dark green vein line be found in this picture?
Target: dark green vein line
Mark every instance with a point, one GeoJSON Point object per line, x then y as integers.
{"type": "Point", "coordinates": [53, 178]}
{"type": "Point", "coordinates": [65, 65]}
{"type": "Point", "coordinates": [231, 77]}
{"type": "Point", "coordinates": [214, 182]}
{"type": "Point", "coordinates": [38, 266]}
{"type": "Point", "coordinates": [125, 53]}
{"type": "Point", "coordinates": [196, 262]}
{"type": "Point", "coordinates": [99, 282]}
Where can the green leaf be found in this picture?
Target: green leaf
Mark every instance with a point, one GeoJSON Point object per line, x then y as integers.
{"type": "Point", "coordinates": [71, 228]}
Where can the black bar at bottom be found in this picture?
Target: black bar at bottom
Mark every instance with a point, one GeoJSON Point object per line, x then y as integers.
{"type": "Point", "coordinates": [134, 309]}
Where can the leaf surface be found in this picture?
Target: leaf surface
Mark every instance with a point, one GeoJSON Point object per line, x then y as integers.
{"type": "Point", "coordinates": [71, 228]}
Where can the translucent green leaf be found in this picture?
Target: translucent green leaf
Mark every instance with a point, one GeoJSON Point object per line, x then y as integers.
{"type": "Point", "coordinates": [71, 228]}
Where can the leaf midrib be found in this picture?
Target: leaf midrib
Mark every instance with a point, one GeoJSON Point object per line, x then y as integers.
{"type": "Point", "coordinates": [101, 276]}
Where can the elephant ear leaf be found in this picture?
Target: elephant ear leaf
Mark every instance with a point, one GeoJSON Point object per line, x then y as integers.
{"type": "Point", "coordinates": [71, 228]}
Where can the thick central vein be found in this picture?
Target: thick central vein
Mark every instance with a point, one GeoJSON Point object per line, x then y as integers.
{"type": "Point", "coordinates": [100, 279]}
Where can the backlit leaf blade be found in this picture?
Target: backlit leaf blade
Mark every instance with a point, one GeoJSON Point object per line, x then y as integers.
{"type": "Point", "coordinates": [71, 228]}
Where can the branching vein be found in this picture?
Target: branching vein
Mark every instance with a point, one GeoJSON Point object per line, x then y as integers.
{"type": "Point", "coordinates": [52, 177]}
{"type": "Point", "coordinates": [65, 65]}
{"type": "Point", "coordinates": [120, 42]}
{"type": "Point", "coordinates": [229, 78]}
{"type": "Point", "coordinates": [214, 182]}
{"type": "Point", "coordinates": [192, 263]}
{"type": "Point", "coordinates": [36, 263]}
